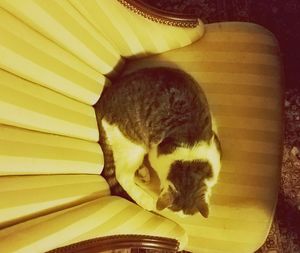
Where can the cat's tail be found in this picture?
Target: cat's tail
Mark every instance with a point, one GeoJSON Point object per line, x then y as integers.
{"type": "Point", "coordinates": [109, 166]}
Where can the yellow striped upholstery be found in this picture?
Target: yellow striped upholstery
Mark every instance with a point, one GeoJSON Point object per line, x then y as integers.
{"type": "Point", "coordinates": [238, 67]}
{"type": "Point", "coordinates": [103, 217]}
{"type": "Point", "coordinates": [61, 23]}
{"type": "Point", "coordinates": [30, 55]}
{"type": "Point", "coordinates": [24, 197]}
{"type": "Point", "coordinates": [24, 152]}
{"type": "Point", "coordinates": [28, 105]}
{"type": "Point", "coordinates": [131, 33]}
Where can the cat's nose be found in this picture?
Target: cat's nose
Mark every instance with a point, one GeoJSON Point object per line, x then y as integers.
{"type": "Point", "coordinates": [190, 211]}
{"type": "Point", "coordinates": [175, 208]}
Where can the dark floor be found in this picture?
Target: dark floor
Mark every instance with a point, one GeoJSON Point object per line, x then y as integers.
{"type": "Point", "coordinates": [282, 17]}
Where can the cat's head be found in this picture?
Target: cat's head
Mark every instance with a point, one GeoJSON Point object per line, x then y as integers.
{"type": "Point", "coordinates": [185, 188]}
{"type": "Point", "coordinates": [187, 175]}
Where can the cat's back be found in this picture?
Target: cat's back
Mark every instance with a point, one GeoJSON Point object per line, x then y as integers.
{"type": "Point", "coordinates": [149, 102]}
{"type": "Point", "coordinates": [142, 87]}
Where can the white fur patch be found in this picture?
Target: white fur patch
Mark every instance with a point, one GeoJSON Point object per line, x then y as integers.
{"type": "Point", "coordinates": [127, 155]}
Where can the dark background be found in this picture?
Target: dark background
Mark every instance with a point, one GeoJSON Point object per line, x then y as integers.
{"type": "Point", "coordinates": [282, 17]}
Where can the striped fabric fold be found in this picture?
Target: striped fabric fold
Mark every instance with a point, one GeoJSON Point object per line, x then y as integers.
{"type": "Point", "coordinates": [27, 197]}
{"type": "Point", "coordinates": [132, 34]}
{"type": "Point", "coordinates": [239, 69]}
{"type": "Point", "coordinates": [28, 105]}
{"type": "Point", "coordinates": [103, 217]}
{"type": "Point", "coordinates": [60, 22]}
{"type": "Point", "coordinates": [30, 55]}
{"type": "Point", "coordinates": [24, 152]}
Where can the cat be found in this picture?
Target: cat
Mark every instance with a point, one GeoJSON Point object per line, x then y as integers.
{"type": "Point", "coordinates": [158, 119]}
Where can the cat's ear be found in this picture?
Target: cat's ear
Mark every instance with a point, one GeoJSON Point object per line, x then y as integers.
{"type": "Point", "coordinates": [167, 146]}
{"type": "Point", "coordinates": [203, 208]}
{"type": "Point", "coordinates": [218, 143]}
{"type": "Point", "coordinates": [165, 200]}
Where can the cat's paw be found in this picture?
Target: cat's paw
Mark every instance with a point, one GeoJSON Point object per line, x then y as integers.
{"type": "Point", "coordinates": [143, 175]}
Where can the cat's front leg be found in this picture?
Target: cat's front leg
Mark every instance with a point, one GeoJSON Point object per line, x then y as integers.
{"type": "Point", "coordinates": [140, 196]}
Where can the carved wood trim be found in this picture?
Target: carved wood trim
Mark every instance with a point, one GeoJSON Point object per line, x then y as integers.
{"type": "Point", "coordinates": [118, 242]}
{"type": "Point", "coordinates": [160, 16]}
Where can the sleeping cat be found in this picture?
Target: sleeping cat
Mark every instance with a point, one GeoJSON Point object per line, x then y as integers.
{"type": "Point", "coordinates": [158, 119]}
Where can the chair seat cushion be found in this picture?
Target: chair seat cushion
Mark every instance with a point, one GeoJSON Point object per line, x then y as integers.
{"type": "Point", "coordinates": [238, 66]}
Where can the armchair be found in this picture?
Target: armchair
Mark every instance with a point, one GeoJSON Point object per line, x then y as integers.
{"type": "Point", "coordinates": [56, 57]}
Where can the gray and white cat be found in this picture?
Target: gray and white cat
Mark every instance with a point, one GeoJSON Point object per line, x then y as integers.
{"type": "Point", "coordinates": [158, 119]}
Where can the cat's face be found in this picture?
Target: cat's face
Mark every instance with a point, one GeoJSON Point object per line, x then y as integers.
{"type": "Point", "coordinates": [186, 188]}
{"type": "Point", "coordinates": [187, 176]}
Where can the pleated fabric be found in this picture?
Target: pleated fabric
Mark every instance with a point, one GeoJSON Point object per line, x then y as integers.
{"type": "Point", "coordinates": [102, 217]}
{"type": "Point", "coordinates": [28, 52]}
{"type": "Point", "coordinates": [61, 23]}
{"type": "Point", "coordinates": [28, 105]}
{"type": "Point", "coordinates": [27, 197]}
{"type": "Point", "coordinates": [132, 34]}
{"type": "Point", "coordinates": [24, 152]}
{"type": "Point", "coordinates": [239, 69]}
